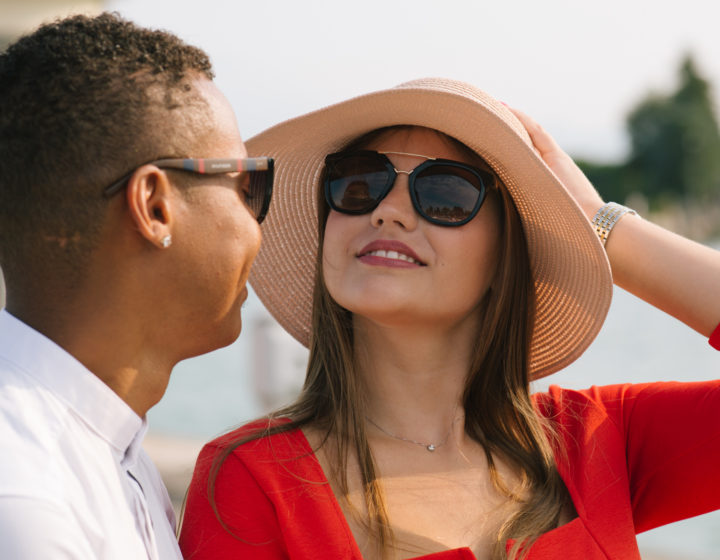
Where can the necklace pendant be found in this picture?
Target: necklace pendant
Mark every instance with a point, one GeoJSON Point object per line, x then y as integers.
{"type": "Point", "coordinates": [430, 447]}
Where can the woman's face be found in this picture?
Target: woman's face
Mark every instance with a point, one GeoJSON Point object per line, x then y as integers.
{"type": "Point", "coordinates": [394, 267]}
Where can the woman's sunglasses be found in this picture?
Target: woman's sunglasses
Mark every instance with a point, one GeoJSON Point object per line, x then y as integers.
{"type": "Point", "coordinates": [444, 192]}
{"type": "Point", "coordinates": [255, 178]}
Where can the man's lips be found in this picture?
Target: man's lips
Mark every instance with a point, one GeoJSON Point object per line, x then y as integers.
{"type": "Point", "coordinates": [389, 253]}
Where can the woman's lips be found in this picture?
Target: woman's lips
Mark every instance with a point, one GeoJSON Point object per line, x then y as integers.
{"type": "Point", "coordinates": [389, 253]}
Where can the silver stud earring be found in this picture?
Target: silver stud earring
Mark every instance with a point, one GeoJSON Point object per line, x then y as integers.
{"type": "Point", "coordinates": [166, 241]}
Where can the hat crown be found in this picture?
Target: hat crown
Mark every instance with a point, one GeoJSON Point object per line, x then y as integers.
{"type": "Point", "coordinates": [475, 94]}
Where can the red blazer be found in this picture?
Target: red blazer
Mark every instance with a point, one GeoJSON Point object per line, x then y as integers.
{"type": "Point", "coordinates": [635, 457]}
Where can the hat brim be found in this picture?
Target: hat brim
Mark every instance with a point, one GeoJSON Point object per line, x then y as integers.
{"type": "Point", "coordinates": [573, 283]}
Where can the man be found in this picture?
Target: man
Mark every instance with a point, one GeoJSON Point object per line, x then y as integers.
{"type": "Point", "coordinates": [116, 269]}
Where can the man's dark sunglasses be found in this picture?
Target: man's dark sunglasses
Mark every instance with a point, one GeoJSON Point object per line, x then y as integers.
{"type": "Point", "coordinates": [257, 172]}
{"type": "Point", "coordinates": [444, 192]}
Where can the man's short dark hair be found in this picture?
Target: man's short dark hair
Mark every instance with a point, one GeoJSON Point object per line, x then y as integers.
{"type": "Point", "coordinates": [83, 100]}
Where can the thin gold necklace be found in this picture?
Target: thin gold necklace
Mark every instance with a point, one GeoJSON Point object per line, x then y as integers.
{"type": "Point", "coordinates": [429, 446]}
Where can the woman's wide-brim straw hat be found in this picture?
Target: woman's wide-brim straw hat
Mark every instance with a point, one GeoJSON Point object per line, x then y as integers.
{"type": "Point", "coordinates": [573, 284]}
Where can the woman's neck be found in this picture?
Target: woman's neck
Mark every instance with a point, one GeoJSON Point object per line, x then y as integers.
{"type": "Point", "coordinates": [414, 377]}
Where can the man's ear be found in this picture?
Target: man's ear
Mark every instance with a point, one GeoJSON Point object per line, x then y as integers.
{"type": "Point", "coordinates": [150, 203]}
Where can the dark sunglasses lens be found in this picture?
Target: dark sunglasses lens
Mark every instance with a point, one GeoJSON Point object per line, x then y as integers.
{"type": "Point", "coordinates": [257, 199]}
{"type": "Point", "coordinates": [355, 183]}
{"type": "Point", "coordinates": [447, 193]}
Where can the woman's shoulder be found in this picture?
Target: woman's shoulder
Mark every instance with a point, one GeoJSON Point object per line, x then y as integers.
{"type": "Point", "coordinates": [271, 452]}
{"type": "Point", "coordinates": [617, 391]}
{"type": "Point", "coordinates": [259, 427]}
{"type": "Point", "coordinates": [274, 436]}
{"type": "Point", "coordinates": [619, 400]}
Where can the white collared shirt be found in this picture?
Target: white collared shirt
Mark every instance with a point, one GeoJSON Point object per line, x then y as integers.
{"type": "Point", "coordinates": [74, 480]}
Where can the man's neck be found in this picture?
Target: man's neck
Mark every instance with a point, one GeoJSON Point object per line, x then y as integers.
{"type": "Point", "coordinates": [113, 345]}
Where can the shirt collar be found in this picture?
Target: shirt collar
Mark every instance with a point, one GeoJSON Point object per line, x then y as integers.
{"type": "Point", "coordinates": [49, 365]}
{"type": "Point", "coordinates": [133, 449]}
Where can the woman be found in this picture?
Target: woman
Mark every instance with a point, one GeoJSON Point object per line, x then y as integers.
{"type": "Point", "coordinates": [451, 266]}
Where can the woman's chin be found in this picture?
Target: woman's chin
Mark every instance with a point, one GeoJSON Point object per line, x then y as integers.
{"type": "Point", "coordinates": [392, 316]}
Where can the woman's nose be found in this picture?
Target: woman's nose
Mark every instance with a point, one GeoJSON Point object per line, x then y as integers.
{"type": "Point", "coordinates": [396, 207]}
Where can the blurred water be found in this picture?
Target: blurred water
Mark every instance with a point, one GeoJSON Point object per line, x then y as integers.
{"type": "Point", "coordinates": [638, 343]}
{"type": "Point", "coordinates": [212, 393]}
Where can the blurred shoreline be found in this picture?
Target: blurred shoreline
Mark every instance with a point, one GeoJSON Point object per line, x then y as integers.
{"type": "Point", "coordinates": [696, 221]}
{"type": "Point", "coordinates": [175, 458]}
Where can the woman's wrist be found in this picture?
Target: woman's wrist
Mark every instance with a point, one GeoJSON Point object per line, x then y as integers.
{"type": "Point", "coordinates": [607, 216]}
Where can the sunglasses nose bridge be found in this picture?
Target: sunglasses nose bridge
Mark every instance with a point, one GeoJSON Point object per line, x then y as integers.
{"type": "Point", "coordinates": [394, 181]}
{"type": "Point", "coordinates": [398, 172]}
{"type": "Point", "coordinates": [397, 205]}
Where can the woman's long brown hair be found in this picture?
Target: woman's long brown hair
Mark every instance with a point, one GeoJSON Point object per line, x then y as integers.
{"type": "Point", "coordinates": [499, 413]}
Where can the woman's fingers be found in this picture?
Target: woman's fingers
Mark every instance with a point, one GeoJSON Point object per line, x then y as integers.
{"type": "Point", "coordinates": [543, 142]}
{"type": "Point", "coordinates": [562, 165]}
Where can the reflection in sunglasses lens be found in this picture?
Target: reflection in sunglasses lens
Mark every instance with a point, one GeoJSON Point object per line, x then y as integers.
{"type": "Point", "coordinates": [254, 197]}
{"type": "Point", "coordinates": [447, 193]}
{"type": "Point", "coordinates": [257, 192]}
{"type": "Point", "coordinates": [357, 183]}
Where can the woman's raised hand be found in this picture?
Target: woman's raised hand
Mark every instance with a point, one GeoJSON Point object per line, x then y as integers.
{"type": "Point", "coordinates": [672, 273]}
{"type": "Point", "coordinates": [562, 165]}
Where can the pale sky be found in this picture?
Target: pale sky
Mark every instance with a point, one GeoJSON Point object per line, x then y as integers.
{"type": "Point", "coordinates": [577, 67]}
